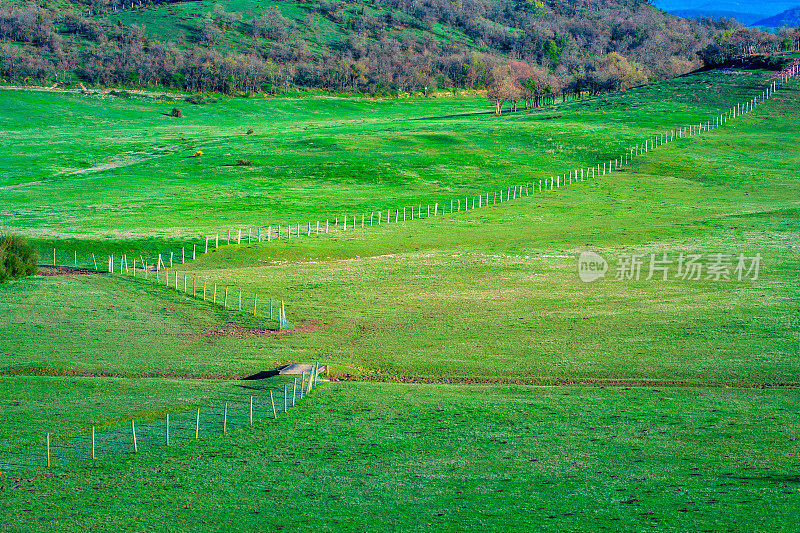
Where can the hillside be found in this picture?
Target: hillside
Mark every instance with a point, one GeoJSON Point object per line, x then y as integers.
{"type": "Point", "coordinates": [377, 47]}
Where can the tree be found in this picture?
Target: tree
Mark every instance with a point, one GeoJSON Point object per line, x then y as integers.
{"type": "Point", "coordinates": [618, 73]}
{"type": "Point", "coordinates": [17, 258]}
{"type": "Point", "coordinates": [503, 89]}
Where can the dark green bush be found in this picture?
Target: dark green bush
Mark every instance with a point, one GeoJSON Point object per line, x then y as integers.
{"type": "Point", "coordinates": [17, 258]}
{"type": "Point", "coordinates": [200, 99]}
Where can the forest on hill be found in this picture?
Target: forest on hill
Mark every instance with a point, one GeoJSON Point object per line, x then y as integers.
{"type": "Point", "coordinates": [379, 47]}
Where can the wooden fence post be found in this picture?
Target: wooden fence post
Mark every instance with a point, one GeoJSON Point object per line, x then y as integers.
{"type": "Point", "coordinates": [133, 431]}
{"type": "Point", "coordinates": [225, 419]}
{"type": "Point", "coordinates": [272, 400]}
{"type": "Point", "coordinates": [251, 410]}
{"type": "Point", "coordinates": [48, 450]}
{"type": "Point", "coordinates": [294, 392]}
{"type": "Point", "coordinates": [167, 429]}
{"type": "Point", "coordinates": [93, 455]}
{"type": "Point", "coordinates": [197, 425]}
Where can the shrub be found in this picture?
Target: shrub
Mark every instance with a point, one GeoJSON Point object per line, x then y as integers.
{"type": "Point", "coordinates": [250, 131]}
{"type": "Point", "coordinates": [243, 163]}
{"type": "Point", "coordinates": [199, 99]}
{"type": "Point", "coordinates": [176, 112]}
{"type": "Point", "coordinates": [17, 258]}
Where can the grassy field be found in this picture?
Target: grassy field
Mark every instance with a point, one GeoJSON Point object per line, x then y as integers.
{"type": "Point", "coordinates": [69, 405]}
{"type": "Point", "coordinates": [691, 422]}
{"type": "Point", "coordinates": [378, 457]}
{"type": "Point", "coordinates": [86, 172]}
{"type": "Point", "coordinates": [510, 305]}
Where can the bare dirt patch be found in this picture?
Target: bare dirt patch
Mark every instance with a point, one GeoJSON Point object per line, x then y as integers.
{"type": "Point", "coordinates": [241, 332]}
{"type": "Point", "coordinates": [65, 271]}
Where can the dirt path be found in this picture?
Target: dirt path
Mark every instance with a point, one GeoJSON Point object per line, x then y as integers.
{"type": "Point", "coordinates": [19, 185]}
{"type": "Point", "coordinates": [64, 271]}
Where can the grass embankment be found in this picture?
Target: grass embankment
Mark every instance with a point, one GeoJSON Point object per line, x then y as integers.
{"type": "Point", "coordinates": [377, 457]}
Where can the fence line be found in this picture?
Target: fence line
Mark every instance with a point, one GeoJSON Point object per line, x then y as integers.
{"type": "Point", "coordinates": [244, 303]}
{"type": "Point", "coordinates": [418, 211]}
{"type": "Point", "coordinates": [224, 295]}
{"type": "Point", "coordinates": [140, 434]}
{"type": "Point", "coordinates": [407, 213]}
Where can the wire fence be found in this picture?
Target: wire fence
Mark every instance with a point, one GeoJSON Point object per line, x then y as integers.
{"type": "Point", "coordinates": [419, 211]}
{"type": "Point", "coordinates": [167, 429]}
{"type": "Point", "coordinates": [225, 295]}
{"type": "Point", "coordinates": [159, 267]}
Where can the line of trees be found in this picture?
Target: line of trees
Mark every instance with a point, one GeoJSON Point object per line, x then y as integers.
{"type": "Point", "coordinates": [534, 86]}
{"type": "Point", "coordinates": [521, 51]}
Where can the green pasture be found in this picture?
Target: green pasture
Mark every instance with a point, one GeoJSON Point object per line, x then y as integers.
{"type": "Point", "coordinates": [487, 294]}
{"type": "Point", "coordinates": [121, 326]}
{"type": "Point", "coordinates": [378, 457]}
{"type": "Point", "coordinates": [99, 166]}
{"type": "Point", "coordinates": [66, 406]}
{"type": "Point", "coordinates": [690, 421]}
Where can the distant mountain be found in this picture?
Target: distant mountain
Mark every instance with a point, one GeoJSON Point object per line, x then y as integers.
{"type": "Point", "coordinates": [768, 7]}
{"type": "Point", "coordinates": [789, 18]}
{"type": "Point", "coordinates": [748, 19]}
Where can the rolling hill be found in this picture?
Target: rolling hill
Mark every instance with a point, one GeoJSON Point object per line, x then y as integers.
{"type": "Point", "coordinates": [240, 46]}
